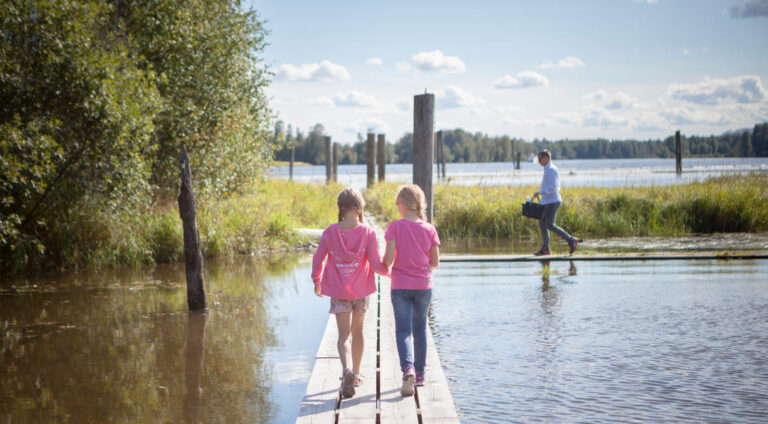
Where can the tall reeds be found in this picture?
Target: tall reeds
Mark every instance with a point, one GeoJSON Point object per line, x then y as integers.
{"type": "Point", "coordinates": [723, 204]}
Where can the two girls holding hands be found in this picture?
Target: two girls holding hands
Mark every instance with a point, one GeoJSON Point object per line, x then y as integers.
{"type": "Point", "coordinates": [348, 278]}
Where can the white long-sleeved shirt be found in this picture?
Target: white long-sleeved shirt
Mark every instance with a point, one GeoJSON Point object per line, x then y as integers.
{"type": "Point", "coordinates": [550, 185]}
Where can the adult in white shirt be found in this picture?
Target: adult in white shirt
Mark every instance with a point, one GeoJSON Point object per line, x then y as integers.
{"type": "Point", "coordinates": [551, 201]}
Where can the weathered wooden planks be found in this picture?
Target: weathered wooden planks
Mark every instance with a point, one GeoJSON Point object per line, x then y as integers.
{"type": "Point", "coordinates": [378, 398]}
{"type": "Point", "coordinates": [654, 256]}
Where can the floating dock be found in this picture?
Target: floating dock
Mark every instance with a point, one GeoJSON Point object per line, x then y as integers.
{"type": "Point", "coordinates": [378, 398]}
{"type": "Point", "coordinates": [642, 256]}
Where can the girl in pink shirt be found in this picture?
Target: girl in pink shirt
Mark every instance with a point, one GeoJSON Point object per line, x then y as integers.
{"type": "Point", "coordinates": [348, 279]}
{"type": "Point", "coordinates": [412, 245]}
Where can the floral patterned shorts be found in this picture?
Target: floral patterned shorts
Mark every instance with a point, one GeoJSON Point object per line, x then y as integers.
{"type": "Point", "coordinates": [357, 305]}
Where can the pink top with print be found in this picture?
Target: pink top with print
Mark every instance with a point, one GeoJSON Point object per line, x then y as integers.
{"type": "Point", "coordinates": [413, 240]}
{"type": "Point", "coordinates": [353, 257]}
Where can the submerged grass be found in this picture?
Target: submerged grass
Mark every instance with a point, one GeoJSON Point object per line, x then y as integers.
{"type": "Point", "coordinates": [722, 204]}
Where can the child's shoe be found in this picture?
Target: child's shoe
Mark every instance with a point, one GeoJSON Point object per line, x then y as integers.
{"type": "Point", "coordinates": [408, 381]}
{"type": "Point", "coordinates": [420, 377]}
{"type": "Point", "coordinates": [348, 384]}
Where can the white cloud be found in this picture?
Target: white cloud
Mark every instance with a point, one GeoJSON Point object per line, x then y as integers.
{"type": "Point", "coordinates": [321, 101]}
{"type": "Point", "coordinates": [374, 61]}
{"type": "Point", "coordinates": [742, 89]}
{"type": "Point", "coordinates": [510, 109]}
{"type": "Point", "coordinates": [354, 99]}
{"type": "Point", "coordinates": [323, 71]}
{"type": "Point", "coordinates": [621, 101]}
{"type": "Point", "coordinates": [404, 104]}
{"type": "Point", "coordinates": [434, 61]}
{"type": "Point", "coordinates": [523, 79]}
{"type": "Point", "coordinates": [689, 115]}
{"type": "Point", "coordinates": [750, 9]}
{"type": "Point", "coordinates": [597, 95]}
{"type": "Point", "coordinates": [601, 118]}
{"type": "Point", "coordinates": [566, 62]}
{"type": "Point", "coordinates": [454, 96]}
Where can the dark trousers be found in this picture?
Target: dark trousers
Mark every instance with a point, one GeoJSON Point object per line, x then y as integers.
{"type": "Point", "coordinates": [547, 222]}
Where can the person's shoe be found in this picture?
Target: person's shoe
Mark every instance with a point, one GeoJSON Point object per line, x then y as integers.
{"type": "Point", "coordinates": [573, 244]}
{"type": "Point", "coordinates": [358, 380]}
{"type": "Point", "coordinates": [541, 252]}
{"type": "Point", "coordinates": [408, 381]}
{"type": "Point", "coordinates": [348, 384]}
{"type": "Point", "coordinates": [420, 377]}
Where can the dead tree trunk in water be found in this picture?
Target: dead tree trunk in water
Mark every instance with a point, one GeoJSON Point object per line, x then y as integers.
{"type": "Point", "coordinates": [193, 257]}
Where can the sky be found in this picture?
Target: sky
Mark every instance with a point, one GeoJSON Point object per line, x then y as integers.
{"type": "Point", "coordinates": [615, 69]}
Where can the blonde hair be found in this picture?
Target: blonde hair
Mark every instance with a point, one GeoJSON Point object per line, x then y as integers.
{"type": "Point", "coordinates": [546, 153]}
{"type": "Point", "coordinates": [413, 198]}
{"type": "Point", "coordinates": [350, 199]}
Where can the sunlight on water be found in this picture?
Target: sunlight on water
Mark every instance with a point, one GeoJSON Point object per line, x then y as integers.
{"type": "Point", "coordinates": [573, 172]}
{"type": "Point", "coordinates": [605, 342]}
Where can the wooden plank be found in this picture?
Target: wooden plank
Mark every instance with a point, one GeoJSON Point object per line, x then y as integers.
{"type": "Point", "coordinates": [321, 397]}
{"type": "Point", "coordinates": [394, 407]}
{"type": "Point", "coordinates": [435, 397]}
{"type": "Point", "coordinates": [363, 405]}
{"type": "Point", "coordinates": [319, 402]}
{"type": "Point", "coordinates": [655, 256]}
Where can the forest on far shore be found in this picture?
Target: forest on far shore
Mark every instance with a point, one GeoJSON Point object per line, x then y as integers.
{"type": "Point", "coordinates": [462, 146]}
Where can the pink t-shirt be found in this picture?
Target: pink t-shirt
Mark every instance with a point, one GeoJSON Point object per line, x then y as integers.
{"type": "Point", "coordinates": [353, 257]}
{"type": "Point", "coordinates": [413, 240]}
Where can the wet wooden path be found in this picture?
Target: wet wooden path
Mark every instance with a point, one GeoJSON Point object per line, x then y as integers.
{"type": "Point", "coordinates": [378, 399]}
{"type": "Point", "coordinates": [642, 256]}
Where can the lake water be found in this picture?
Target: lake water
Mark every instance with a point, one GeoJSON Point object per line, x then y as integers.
{"type": "Point", "coordinates": [120, 347]}
{"type": "Point", "coordinates": [573, 173]}
{"type": "Point", "coordinates": [605, 342]}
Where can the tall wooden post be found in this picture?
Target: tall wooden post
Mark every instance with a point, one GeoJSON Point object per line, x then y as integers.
{"type": "Point", "coordinates": [370, 158]}
{"type": "Point", "coordinates": [381, 155]}
{"type": "Point", "coordinates": [335, 170]}
{"type": "Point", "coordinates": [678, 153]}
{"type": "Point", "coordinates": [517, 160]}
{"type": "Point", "coordinates": [193, 256]}
{"type": "Point", "coordinates": [328, 159]}
{"type": "Point", "coordinates": [440, 156]}
{"type": "Point", "coordinates": [423, 134]}
{"type": "Point", "coordinates": [290, 166]}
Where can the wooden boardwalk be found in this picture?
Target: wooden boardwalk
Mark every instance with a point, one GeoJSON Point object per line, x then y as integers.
{"type": "Point", "coordinates": [378, 399]}
{"type": "Point", "coordinates": [649, 256]}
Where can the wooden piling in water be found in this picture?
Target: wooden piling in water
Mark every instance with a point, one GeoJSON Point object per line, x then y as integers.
{"type": "Point", "coordinates": [517, 160]}
{"type": "Point", "coordinates": [423, 134]}
{"type": "Point", "coordinates": [193, 256]}
{"type": "Point", "coordinates": [335, 168]}
{"type": "Point", "coordinates": [328, 159]}
{"type": "Point", "coordinates": [440, 159]}
{"type": "Point", "coordinates": [290, 166]}
{"type": "Point", "coordinates": [678, 153]}
{"type": "Point", "coordinates": [370, 159]}
{"type": "Point", "coordinates": [381, 156]}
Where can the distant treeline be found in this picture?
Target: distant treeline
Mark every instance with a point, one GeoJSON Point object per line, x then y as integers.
{"type": "Point", "coordinates": [461, 146]}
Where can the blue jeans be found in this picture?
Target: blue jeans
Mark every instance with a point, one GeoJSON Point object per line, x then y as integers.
{"type": "Point", "coordinates": [411, 308]}
{"type": "Point", "coordinates": [547, 222]}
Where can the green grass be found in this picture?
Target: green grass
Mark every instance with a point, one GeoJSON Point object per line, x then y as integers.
{"type": "Point", "coordinates": [724, 204]}
{"type": "Point", "coordinates": [263, 217]}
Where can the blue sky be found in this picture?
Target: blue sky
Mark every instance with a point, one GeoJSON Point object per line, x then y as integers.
{"type": "Point", "coordinates": [530, 69]}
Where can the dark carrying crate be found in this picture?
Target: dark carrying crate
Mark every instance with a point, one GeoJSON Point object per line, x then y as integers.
{"type": "Point", "coordinates": [533, 210]}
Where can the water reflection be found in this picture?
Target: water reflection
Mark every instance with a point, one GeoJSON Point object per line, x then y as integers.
{"type": "Point", "coordinates": [120, 346]}
{"type": "Point", "coordinates": [194, 365]}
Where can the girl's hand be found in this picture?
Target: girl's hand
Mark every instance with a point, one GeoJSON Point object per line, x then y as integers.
{"type": "Point", "coordinates": [318, 290]}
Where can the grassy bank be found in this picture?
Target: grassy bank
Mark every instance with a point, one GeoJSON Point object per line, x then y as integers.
{"type": "Point", "coordinates": [261, 218]}
{"type": "Point", "coordinates": [724, 204]}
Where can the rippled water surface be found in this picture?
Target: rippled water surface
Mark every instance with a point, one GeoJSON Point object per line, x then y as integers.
{"type": "Point", "coordinates": [605, 342]}
{"type": "Point", "coordinates": [120, 346]}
